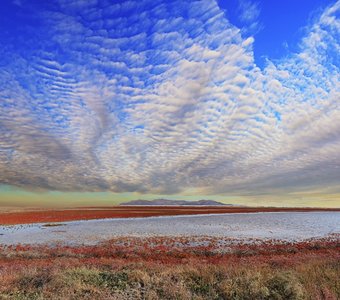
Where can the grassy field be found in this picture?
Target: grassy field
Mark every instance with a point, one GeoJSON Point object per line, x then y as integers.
{"type": "Point", "coordinates": [159, 268]}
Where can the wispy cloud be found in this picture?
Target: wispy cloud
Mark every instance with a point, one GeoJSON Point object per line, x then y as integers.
{"type": "Point", "coordinates": [249, 12]}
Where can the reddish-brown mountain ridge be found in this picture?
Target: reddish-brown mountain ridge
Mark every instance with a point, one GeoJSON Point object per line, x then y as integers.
{"type": "Point", "coordinates": [166, 202]}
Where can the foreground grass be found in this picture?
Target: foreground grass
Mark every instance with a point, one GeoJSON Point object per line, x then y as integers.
{"type": "Point", "coordinates": [300, 271]}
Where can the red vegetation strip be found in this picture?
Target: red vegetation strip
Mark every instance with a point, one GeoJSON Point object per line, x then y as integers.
{"type": "Point", "coordinates": [27, 217]}
{"type": "Point", "coordinates": [177, 251]}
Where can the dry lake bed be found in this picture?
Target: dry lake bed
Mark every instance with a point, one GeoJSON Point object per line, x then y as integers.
{"type": "Point", "coordinates": [283, 226]}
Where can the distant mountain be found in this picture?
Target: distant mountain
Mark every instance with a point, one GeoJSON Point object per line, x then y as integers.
{"type": "Point", "coordinates": [166, 202]}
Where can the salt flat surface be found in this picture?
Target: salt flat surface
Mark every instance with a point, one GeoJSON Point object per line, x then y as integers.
{"type": "Point", "coordinates": [286, 226]}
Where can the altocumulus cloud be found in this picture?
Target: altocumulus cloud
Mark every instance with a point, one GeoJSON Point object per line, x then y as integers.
{"type": "Point", "coordinates": [164, 97]}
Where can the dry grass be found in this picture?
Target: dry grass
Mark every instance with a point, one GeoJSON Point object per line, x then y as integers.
{"type": "Point", "coordinates": [136, 270]}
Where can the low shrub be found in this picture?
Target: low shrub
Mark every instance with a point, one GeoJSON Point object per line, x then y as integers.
{"type": "Point", "coordinates": [68, 273]}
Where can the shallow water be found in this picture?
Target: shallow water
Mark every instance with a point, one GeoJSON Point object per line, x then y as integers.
{"type": "Point", "coordinates": [286, 226]}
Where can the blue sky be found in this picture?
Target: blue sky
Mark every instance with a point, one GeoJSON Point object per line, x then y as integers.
{"type": "Point", "coordinates": [279, 25]}
{"type": "Point", "coordinates": [236, 99]}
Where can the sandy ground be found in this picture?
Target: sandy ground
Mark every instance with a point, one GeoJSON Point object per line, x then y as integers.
{"type": "Point", "coordinates": [284, 226]}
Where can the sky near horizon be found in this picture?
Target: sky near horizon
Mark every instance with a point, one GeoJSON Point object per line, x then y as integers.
{"type": "Point", "coordinates": [107, 101]}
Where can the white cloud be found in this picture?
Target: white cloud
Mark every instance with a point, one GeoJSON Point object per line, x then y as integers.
{"type": "Point", "coordinates": [166, 104]}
